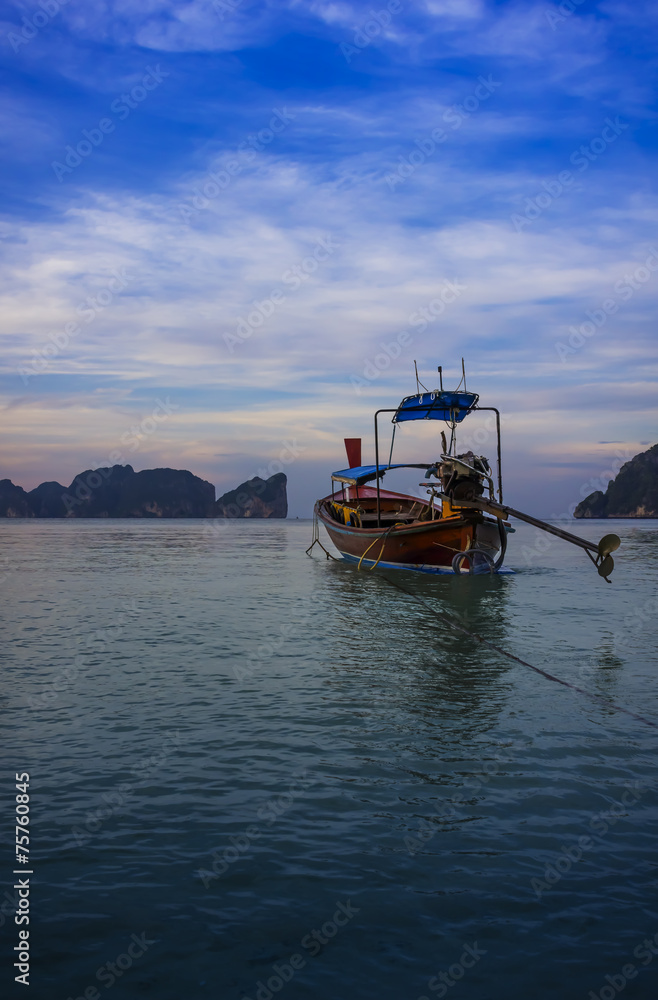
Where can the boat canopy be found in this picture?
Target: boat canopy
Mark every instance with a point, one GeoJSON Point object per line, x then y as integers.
{"type": "Point", "coordinates": [438, 405]}
{"type": "Point", "coordinates": [366, 473]}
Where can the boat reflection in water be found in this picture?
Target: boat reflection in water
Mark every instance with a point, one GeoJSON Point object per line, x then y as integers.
{"type": "Point", "coordinates": [394, 649]}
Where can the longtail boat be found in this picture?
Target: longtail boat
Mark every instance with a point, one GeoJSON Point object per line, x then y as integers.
{"type": "Point", "coordinates": [461, 523]}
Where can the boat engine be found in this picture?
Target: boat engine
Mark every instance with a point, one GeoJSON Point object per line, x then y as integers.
{"type": "Point", "coordinates": [463, 477]}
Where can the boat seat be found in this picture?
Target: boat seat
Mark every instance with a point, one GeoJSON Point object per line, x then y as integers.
{"type": "Point", "coordinates": [388, 517]}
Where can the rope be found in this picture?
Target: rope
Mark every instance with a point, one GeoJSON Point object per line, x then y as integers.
{"type": "Point", "coordinates": [453, 623]}
{"type": "Point", "coordinates": [379, 538]}
{"type": "Point", "coordinates": [450, 548]}
{"type": "Point", "coordinates": [381, 552]}
{"type": "Point", "coordinates": [368, 549]}
{"type": "Point", "coordinates": [316, 539]}
{"type": "Point", "coordinates": [450, 621]}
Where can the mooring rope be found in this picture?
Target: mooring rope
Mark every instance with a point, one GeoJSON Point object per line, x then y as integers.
{"type": "Point", "coordinates": [379, 538]}
{"type": "Point", "coordinates": [449, 620]}
{"type": "Point", "coordinates": [316, 539]}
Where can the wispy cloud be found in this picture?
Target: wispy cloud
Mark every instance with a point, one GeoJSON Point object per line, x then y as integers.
{"type": "Point", "coordinates": [322, 177]}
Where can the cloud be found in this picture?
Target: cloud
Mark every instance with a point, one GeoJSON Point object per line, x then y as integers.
{"type": "Point", "coordinates": [200, 260]}
{"type": "Point", "coordinates": [190, 284]}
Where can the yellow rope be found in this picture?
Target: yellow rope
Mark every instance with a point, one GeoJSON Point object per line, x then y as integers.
{"type": "Point", "coordinates": [368, 550]}
{"type": "Point", "coordinates": [381, 538]}
{"type": "Point", "coordinates": [380, 555]}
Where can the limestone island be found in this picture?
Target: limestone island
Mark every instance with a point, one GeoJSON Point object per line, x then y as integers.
{"type": "Point", "coordinates": [119, 491]}
{"type": "Point", "coordinates": [632, 493]}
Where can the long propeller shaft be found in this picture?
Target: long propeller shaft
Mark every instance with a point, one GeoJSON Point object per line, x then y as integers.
{"type": "Point", "coordinates": [608, 543]}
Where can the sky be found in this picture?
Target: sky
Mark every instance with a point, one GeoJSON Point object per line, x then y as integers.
{"type": "Point", "coordinates": [229, 227]}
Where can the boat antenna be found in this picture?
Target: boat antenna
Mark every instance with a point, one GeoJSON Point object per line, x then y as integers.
{"type": "Point", "coordinates": [418, 382]}
{"type": "Point", "coordinates": [463, 378]}
{"type": "Point", "coordinates": [440, 371]}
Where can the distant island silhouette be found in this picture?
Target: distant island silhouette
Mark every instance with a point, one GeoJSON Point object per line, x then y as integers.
{"type": "Point", "coordinates": [119, 491]}
{"type": "Point", "coordinates": [632, 493]}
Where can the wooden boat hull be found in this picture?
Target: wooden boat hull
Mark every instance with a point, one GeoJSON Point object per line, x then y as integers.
{"type": "Point", "coordinates": [425, 545]}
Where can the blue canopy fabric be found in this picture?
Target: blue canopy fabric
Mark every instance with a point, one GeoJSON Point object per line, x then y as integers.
{"type": "Point", "coordinates": [438, 405]}
{"type": "Point", "coordinates": [361, 474]}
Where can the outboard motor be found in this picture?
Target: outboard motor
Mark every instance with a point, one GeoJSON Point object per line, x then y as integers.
{"type": "Point", "coordinates": [463, 476]}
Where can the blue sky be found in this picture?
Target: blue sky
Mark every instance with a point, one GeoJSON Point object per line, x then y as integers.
{"type": "Point", "coordinates": [222, 211]}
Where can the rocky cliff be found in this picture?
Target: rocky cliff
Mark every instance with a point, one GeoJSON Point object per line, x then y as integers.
{"type": "Point", "coordinates": [13, 500]}
{"type": "Point", "coordinates": [119, 491]}
{"type": "Point", "coordinates": [255, 498]}
{"type": "Point", "coordinates": [633, 492]}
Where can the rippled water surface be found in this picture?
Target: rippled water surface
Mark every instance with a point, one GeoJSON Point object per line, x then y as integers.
{"type": "Point", "coordinates": [241, 755]}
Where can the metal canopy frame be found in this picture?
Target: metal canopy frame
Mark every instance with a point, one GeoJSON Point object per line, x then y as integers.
{"type": "Point", "coordinates": [492, 409]}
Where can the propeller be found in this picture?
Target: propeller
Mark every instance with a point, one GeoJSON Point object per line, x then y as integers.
{"type": "Point", "coordinates": [608, 544]}
{"type": "Point", "coordinates": [604, 561]}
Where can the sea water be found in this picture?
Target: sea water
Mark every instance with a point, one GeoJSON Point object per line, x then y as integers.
{"type": "Point", "coordinates": [257, 774]}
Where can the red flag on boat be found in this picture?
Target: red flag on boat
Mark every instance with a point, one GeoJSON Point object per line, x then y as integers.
{"type": "Point", "coordinates": [353, 449]}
